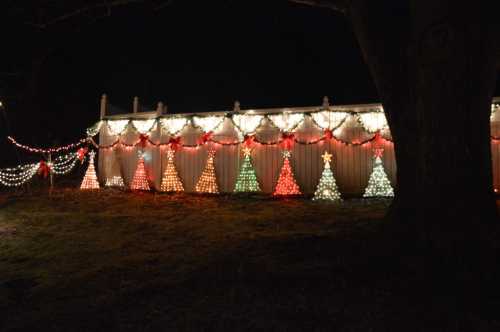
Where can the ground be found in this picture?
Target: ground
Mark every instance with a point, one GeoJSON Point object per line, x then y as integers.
{"type": "Point", "coordinates": [117, 261]}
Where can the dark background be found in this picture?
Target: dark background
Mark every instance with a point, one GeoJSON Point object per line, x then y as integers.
{"type": "Point", "coordinates": [194, 56]}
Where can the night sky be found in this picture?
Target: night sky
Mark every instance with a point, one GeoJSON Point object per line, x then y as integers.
{"type": "Point", "coordinates": [194, 56]}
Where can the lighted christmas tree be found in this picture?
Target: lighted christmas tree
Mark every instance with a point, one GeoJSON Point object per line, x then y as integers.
{"type": "Point", "coordinates": [115, 181]}
{"type": "Point", "coordinates": [171, 180]}
{"type": "Point", "coordinates": [378, 184]}
{"type": "Point", "coordinates": [140, 180]}
{"type": "Point", "coordinates": [247, 179]}
{"type": "Point", "coordinates": [207, 182]}
{"type": "Point", "coordinates": [327, 187]}
{"type": "Point", "coordinates": [90, 179]}
{"type": "Point", "coordinates": [286, 182]}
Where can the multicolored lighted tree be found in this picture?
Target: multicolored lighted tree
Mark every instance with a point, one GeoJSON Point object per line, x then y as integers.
{"type": "Point", "coordinates": [171, 181]}
{"type": "Point", "coordinates": [247, 179]}
{"type": "Point", "coordinates": [140, 180]}
{"type": "Point", "coordinates": [378, 184]}
{"type": "Point", "coordinates": [286, 182]}
{"type": "Point", "coordinates": [327, 187]}
{"type": "Point", "coordinates": [207, 182]}
{"type": "Point", "coordinates": [90, 179]}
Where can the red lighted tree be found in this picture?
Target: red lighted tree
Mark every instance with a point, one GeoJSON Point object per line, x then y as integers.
{"type": "Point", "coordinates": [140, 180]}
{"type": "Point", "coordinates": [286, 182]}
{"type": "Point", "coordinates": [90, 179]}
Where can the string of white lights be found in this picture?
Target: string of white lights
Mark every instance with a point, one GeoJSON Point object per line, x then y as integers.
{"type": "Point", "coordinates": [13, 177]}
{"type": "Point", "coordinates": [64, 164]}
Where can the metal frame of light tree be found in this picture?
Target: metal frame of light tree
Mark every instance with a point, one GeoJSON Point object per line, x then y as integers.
{"type": "Point", "coordinates": [207, 183]}
{"type": "Point", "coordinates": [286, 185]}
{"type": "Point", "coordinates": [171, 181]}
{"type": "Point", "coordinates": [90, 179]}
{"type": "Point", "coordinates": [378, 184]}
{"type": "Point", "coordinates": [247, 178]}
{"type": "Point", "coordinates": [327, 187]}
{"type": "Point", "coordinates": [140, 179]}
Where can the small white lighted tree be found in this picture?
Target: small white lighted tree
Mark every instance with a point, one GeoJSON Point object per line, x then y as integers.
{"type": "Point", "coordinates": [378, 184]}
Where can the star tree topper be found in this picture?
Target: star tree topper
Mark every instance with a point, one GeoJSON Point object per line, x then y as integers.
{"type": "Point", "coordinates": [378, 152]}
{"type": "Point", "coordinates": [287, 154]}
{"type": "Point", "coordinates": [247, 151]}
{"type": "Point", "coordinates": [327, 157]}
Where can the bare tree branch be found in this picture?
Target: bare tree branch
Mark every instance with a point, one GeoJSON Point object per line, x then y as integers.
{"type": "Point", "coordinates": [336, 5]}
{"type": "Point", "coordinates": [83, 10]}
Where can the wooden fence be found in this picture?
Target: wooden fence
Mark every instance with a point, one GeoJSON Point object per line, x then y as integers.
{"type": "Point", "coordinates": [351, 164]}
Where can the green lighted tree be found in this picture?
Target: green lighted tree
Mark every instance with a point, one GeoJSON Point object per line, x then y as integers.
{"type": "Point", "coordinates": [247, 179]}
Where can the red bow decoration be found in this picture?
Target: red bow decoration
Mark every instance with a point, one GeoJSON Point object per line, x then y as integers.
{"type": "Point", "coordinates": [143, 140]}
{"type": "Point", "coordinates": [205, 138]}
{"type": "Point", "coordinates": [248, 140]}
{"type": "Point", "coordinates": [175, 143]}
{"type": "Point", "coordinates": [43, 169]}
{"type": "Point", "coordinates": [328, 134]}
{"type": "Point", "coordinates": [81, 153]}
{"type": "Point", "coordinates": [287, 140]}
{"type": "Point", "coordinates": [377, 140]}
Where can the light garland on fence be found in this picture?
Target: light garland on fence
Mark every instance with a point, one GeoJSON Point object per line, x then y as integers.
{"type": "Point", "coordinates": [174, 125]}
{"type": "Point", "coordinates": [208, 123]}
{"type": "Point", "coordinates": [117, 127]}
{"type": "Point", "coordinates": [143, 126]}
{"type": "Point", "coordinates": [94, 130]}
{"type": "Point", "coordinates": [328, 119]}
{"type": "Point", "coordinates": [16, 176]}
{"type": "Point", "coordinates": [287, 121]}
{"type": "Point", "coordinates": [247, 123]}
{"type": "Point", "coordinates": [373, 121]}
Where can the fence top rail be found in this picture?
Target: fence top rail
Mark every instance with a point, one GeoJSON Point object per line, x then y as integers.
{"type": "Point", "coordinates": [355, 108]}
{"type": "Point", "coordinates": [352, 108]}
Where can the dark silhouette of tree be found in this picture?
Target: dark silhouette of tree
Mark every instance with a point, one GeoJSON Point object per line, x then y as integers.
{"type": "Point", "coordinates": [433, 63]}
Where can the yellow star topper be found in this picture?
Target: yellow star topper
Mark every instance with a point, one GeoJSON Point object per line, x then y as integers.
{"type": "Point", "coordinates": [247, 151]}
{"type": "Point", "coordinates": [327, 157]}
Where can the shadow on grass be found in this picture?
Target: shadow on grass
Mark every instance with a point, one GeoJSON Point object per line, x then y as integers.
{"type": "Point", "coordinates": [111, 261]}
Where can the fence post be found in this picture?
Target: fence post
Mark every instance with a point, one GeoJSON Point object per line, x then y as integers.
{"type": "Point", "coordinates": [236, 107]}
{"type": "Point", "coordinates": [326, 102]}
{"type": "Point", "coordinates": [104, 103]}
{"type": "Point", "coordinates": [159, 109]}
{"type": "Point", "coordinates": [51, 175]}
{"type": "Point", "coordinates": [136, 104]}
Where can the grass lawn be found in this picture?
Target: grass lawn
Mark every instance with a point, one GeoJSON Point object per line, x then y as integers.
{"type": "Point", "coordinates": [115, 261]}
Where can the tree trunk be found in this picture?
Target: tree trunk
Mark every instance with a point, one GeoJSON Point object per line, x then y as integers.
{"type": "Point", "coordinates": [433, 63]}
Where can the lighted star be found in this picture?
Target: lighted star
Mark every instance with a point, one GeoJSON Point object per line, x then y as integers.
{"type": "Point", "coordinates": [327, 157]}
{"type": "Point", "coordinates": [378, 152]}
{"type": "Point", "coordinates": [247, 151]}
{"type": "Point", "coordinates": [211, 153]}
{"type": "Point", "coordinates": [287, 154]}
